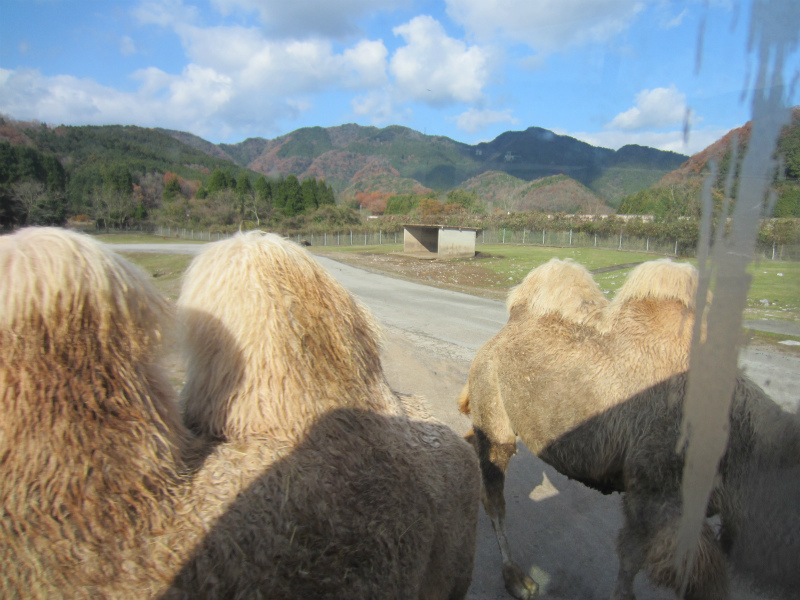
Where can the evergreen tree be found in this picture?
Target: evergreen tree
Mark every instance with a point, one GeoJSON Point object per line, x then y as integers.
{"type": "Point", "coordinates": [264, 190]}
{"type": "Point", "coordinates": [309, 193]}
{"type": "Point", "coordinates": [279, 194]}
{"type": "Point", "coordinates": [172, 189]}
{"type": "Point", "coordinates": [218, 181]}
{"type": "Point", "coordinates": [293, 194]}
{"type": "Point", "coordinates": [243, 186]}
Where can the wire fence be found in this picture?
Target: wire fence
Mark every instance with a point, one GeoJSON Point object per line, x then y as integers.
{"type": "Point", "coordinates": [485, 237]}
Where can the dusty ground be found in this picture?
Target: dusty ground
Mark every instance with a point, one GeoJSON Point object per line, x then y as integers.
{"type": "Point", "coordinates": [466, 276]}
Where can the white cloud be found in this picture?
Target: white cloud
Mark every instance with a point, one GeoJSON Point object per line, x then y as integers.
{"type": "Point", "coordinates": [546, 25]}
{"type": "Point", "coordinates": [677, 20]}
{"type": "Point", "coordinates": [235, 77]}
{"type": "Point", "coordinates": [164, 13]}
{"type": "Point", "coordinates": [437, 69]}
{"type": "Point", "coordinates": [656, 108]}
{"type": "Point", "coordinates": [475, 120]}
{"type": "Point", "coordinates": [366, 63]}
{"type": "Point", "coordinates": [377, 106]}
{"type": "Point", "coordinates": [127, 46]}
{"type": "Point", "coordinates": [304, 18]}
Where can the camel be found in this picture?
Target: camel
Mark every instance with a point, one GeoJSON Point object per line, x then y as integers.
{"type": "Point", "coordinates": [288, 469]}
{"type": "Point", "coordinates": [366, 495]}
{"type": "Point", "coordinates": [565, 357]}
{"type": "Point", "coordinates": [91, 440]}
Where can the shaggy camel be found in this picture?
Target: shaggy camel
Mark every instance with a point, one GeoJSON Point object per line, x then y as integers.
{"type": "Point", "coordinates": [566, 356]}
{"type": "Point", "coordinates": [91, 440]}
{"type": "Point", "coordinates": [361, 494]}
{"type": "Point", "coordinates": [302, 475]}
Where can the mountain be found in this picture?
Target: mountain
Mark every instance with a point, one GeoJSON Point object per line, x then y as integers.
{"type": "Point", "coordinates": [786, 185]}
{"type": "Point", "coordinates": [558, 172]}
{"type": "Point", "coordinates": [337, 154]}
{"type": "Point", "coordinates": [89, 157]}
{"type": "Point", "coordinates": [555, 193]}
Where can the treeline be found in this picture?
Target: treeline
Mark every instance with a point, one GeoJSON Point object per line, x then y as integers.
{"type": "Point", "coordinates": [225, 200]}
{"type": "Point", "coordinates": [666, 201]}
{"type": "Point", "coordinates": [32, 186]}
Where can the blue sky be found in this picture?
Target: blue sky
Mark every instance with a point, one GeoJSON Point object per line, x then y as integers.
{"type": "Point", "coordinates": [610, 72]}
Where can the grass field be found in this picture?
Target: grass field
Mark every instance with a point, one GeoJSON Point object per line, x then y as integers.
{"type": "Point", "coordinates": [774, 292]}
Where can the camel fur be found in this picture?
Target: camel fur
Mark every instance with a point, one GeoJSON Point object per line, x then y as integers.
{"type": "Point", "coordinates": [91, 440]}
{"type": "Point", "coordinates": [366, 495]}
{"type": "Point", "coordinates": [566, 357]}
{"type": "Point", "coordinates": [301, 474]}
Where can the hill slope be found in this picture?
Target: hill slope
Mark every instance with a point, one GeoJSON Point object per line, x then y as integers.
{"type": "Point", "coordinates": [336, 154]}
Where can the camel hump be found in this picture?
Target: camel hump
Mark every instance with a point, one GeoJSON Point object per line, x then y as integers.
{"type": "Point", "coordinates": [660, 279]}
{"type": "Point", "coordinates": [560, 287]}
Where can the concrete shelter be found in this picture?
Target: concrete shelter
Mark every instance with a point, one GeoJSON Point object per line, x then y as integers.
{"type": "Point", "coordinates": [439, 241]}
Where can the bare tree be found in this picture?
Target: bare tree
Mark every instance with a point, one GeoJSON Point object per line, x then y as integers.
{"type": "Point", "coordinates": [29, 194]}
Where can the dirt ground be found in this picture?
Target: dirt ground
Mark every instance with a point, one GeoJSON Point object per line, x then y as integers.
{"type": "Point", "coordinates": [458, 275]}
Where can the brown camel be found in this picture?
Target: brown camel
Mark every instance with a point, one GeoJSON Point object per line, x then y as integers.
{"type": "Point", "coordinates": [567, 356]}
{"type": "Point", "coordinates": [300, 474]}
{"type": "Point", "coordinates": [366, 495]}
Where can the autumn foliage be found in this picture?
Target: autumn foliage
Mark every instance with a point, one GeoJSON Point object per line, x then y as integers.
{"type": "Point", "coordinates": [375, 202]}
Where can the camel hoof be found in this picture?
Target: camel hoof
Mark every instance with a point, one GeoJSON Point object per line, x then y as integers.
{"type": "Point", "coordinates": [518, 584]}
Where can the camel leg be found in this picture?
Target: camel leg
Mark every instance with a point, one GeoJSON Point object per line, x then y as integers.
{"type": "Point", "coordinates": [648, 540]}
{"type": "Point", "coordinates": [494, 460]}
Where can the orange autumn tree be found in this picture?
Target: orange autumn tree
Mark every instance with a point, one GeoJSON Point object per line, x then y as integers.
{"type": "Point", "coordinates": [375, 202]}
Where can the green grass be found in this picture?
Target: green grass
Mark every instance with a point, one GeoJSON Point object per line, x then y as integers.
{"type": "Point", "coordinates": [513, 262]}
{"type": "Point", "coordinates": [140, 238]}
{"type": "Point", "coordinates": [777, 282]}
{"type": "Point", "coordinates": [166, 269]}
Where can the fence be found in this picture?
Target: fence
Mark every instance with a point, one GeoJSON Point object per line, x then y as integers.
{"type": "Point", "coordinates": [559, 239]}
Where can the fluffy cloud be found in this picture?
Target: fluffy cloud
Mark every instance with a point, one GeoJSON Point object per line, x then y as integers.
{"type": "Point", "coordinates": [475, 120]}
{"type": "Point", "coordinates": [437, 69]}
{"type": "Point", "coordinates": [164, 13]}
{"type": "Point", "coordinates": [656, 108]}
{"type": "Point", "coordinates": [377, 106]}
{"type": "Point", "coordinates": [546, 25]}
{"type": "Point", "coordinates": [308, 17]}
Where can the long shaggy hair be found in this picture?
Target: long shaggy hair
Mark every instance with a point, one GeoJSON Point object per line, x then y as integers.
{"type": "Point", "coordinates": [271, 339]}
{"type": "Point", "coordinates": [307, 477]}
{"type": "Point", "coordinates": [358, 494]}
{"type": "Point", "coordinates": [560, 287]}
{"type": "Point", "coordinates": [90, 436]}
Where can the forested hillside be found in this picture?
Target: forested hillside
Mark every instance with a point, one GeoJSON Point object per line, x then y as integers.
{"type": "Point", "coordinates": [117, 176]}
{"type": "Point", "coordinates": [678, 192]}
{"type": "Point", "coordinates": [339, 154]}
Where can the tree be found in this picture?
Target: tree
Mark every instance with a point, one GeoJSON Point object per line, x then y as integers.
{"type": "Point", "coordinates": [325, 195]}
{"type": "Point", "coordinates": [309, 193]}
{"type": "Point", "coordinates": [172, 187]}
{"type": "Point", "coordinates": [243, 191]}
{"type": "Point", "coordinates": [218, 181]}
{"type": "Point", "coordinates": [293, 196]}
{"type": "Point", "coordinates": [112, 206]}
{"type": "Point", "coordinates": [29, 194]}
{"type": "Point", "coordinates": [264, 190]}
{"type": "Point", "coordinates": [465, 199]}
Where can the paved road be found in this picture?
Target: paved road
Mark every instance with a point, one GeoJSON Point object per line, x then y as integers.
{"type": "Point", "coordinates": [562, 530]}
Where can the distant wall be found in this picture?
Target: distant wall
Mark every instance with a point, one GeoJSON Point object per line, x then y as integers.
{"type": "Point", "coordinates": [438, 241]}
{"type": "Point", "coordinates": [456, 243]}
